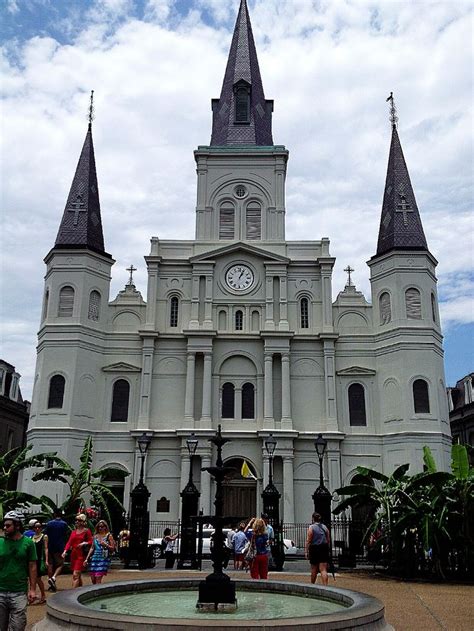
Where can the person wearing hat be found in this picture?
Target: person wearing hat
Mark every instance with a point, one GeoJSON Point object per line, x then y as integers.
{"type": "Point", "coordinates": [79, 543]}
{"type": "Point", "coordinates": [17, 573]}
{"type": "Point", "coordinates": [31, 528]}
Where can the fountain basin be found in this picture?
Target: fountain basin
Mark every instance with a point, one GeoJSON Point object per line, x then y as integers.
{"type": "Point", "coordinates": [80, 609]}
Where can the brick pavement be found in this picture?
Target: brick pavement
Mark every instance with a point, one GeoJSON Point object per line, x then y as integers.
{"type": "Point", "coordinates": [409, 606]}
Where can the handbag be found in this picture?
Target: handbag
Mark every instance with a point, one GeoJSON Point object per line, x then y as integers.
{"type": "Point", "coordinates": [251, 552]}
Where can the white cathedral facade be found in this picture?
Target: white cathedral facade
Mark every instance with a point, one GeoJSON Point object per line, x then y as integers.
{"type": "Point", "coordinates": [239, 328]}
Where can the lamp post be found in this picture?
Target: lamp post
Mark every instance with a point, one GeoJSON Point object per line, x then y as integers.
{"type": "Point", "coordinates": [139, 515]}
{"type": "Point", "coordinates": [271, 506]}
{"type": "Point", "coordinates": [189, 509]}
{"type": "Point", "coordinates": [321, 496]}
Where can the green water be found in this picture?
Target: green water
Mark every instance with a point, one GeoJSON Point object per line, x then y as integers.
{"type": "Point", "coordinates": [182, 604]}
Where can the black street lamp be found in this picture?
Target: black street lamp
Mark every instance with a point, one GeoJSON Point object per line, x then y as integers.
{"type": "Point", "coordinates": [271, 506]}
{"type": "Point", "coordinates": [139, 514]}
{"type": "Point", "coordinates": [321, 496]}
{"type": "Point", "coordinates": [217, 591]}
{"type": "Point", "coordinates": [189, 509]}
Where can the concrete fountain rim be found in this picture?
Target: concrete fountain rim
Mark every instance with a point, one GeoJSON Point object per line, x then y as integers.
{"type": "Point", "coordinates": [69, 607]}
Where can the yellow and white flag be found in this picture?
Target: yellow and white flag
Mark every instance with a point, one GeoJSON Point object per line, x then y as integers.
{"type": "Point", "coordinates": [245, 471]}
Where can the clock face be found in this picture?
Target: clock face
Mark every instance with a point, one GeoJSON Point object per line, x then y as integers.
{"type": "Point", "coordinates": [239, 277]}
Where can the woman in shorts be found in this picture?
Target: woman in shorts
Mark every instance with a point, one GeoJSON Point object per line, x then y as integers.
{"type": "Point", "coordinates": [317, 549]}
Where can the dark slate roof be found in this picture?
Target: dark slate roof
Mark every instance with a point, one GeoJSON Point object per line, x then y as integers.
{"type": "Point", "coordinates": [81, 225]}
{"type": "Point", "coordinates": [242, 64]}
{"type": "Point", "coordinates": [400, 223]}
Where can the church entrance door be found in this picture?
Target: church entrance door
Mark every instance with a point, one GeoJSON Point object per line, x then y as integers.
{"type": "Point", "coordinates": [240, 494]}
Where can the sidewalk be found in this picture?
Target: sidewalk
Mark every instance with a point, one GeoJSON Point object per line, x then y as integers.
{"type": "Point", "coordinates": [408, 606]}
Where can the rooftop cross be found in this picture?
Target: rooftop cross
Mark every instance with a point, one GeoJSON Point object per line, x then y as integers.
{"type": "Point", "coordinates": [77, 207]}
{"type": "Point", "coordinates": [393, 110]}
{"type": "Point", "coordinates": [131, 269]}
{"type": "Point", "coordinates": [349, 269]}
{"type": "Point", "coordinates": [403, 207]}
{"type": "Point", "coordinates": [91, 109]}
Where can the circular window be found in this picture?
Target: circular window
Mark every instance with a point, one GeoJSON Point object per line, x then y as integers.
{"type": "Point", "coordinates": [240, 191]}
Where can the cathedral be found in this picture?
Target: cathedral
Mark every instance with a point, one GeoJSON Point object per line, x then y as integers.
{"type": "Point", "coordinates": [239, 328]}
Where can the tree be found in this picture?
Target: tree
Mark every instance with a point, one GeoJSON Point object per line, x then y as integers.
{"type": "Point", "coordinates": [11, 463]}
{"type": "Point", "coordinates": [85, 484]}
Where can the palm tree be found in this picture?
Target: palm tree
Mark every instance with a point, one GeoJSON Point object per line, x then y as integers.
{"type": "Point", "coordinates": [85, 484]}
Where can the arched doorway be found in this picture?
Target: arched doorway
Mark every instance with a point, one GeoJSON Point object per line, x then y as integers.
{"type": "Point", "coordinates": [362, 516]}
{"type": "Point", "coordinates": [116, 485]}
{"type": "Point", "coordinates": [240, 494]}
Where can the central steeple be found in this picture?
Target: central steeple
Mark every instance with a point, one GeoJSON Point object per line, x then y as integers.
{"type": "Point", "coordinates": [242, 115]}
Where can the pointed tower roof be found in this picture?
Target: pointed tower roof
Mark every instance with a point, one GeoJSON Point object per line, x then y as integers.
{"type": "Point", "coordinates": [81, 225]}
{"type": "Point", "coordinates": [242, 70]}
{"type": "Point", "coordinates": [400, 224]}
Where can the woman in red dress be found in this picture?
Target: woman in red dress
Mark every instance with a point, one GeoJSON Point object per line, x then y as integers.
{"type": "Point", "coordinates": [78, 543]}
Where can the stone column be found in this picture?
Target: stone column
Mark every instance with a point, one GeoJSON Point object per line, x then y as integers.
{"type": "Point", "coordinates": [330, 384]}
{"type": "Point", "coordinates": [238, 404]}
{"type": "Point", "coordinates": [206, 391]}
{"type": "Point", "coordinates": [145, 386]}
{"type": "Point", "coordinates": [185, 463]}
{"type": "Point", "coordinates": [326, 295]}
{"type": "Point", "coordinates": [288, 491]}
{"type": "Point", "coordinates": [286, 421]}
{"type": "Point", "coordinates": [205, 486]}
{"type": "Point", "coordinates": [150, 318]}
{"type": "Point", "coordinates": [269, 318]}
{"type": "Point", "coordinates": [208, 303]}
{"type": "Point", "coordinates": [265, 461]}
{"type": "Point", "coordinates": [268, 421]}
{"type": "Point", "coordinates": [283, 324]}
{"type": "Point", "coordinates": [189, 399]}
{"type": "Point", "coordinates": [194, 320]}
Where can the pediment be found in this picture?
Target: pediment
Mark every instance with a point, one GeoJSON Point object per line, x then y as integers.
{"type": "Point", "coordinates": [121, 367]}
{"type": "Point", "coordinates": [355, 370]}
{"type": "Point", "coordinates": [239, 247]}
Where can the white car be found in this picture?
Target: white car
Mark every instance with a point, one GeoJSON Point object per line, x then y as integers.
{"type": "Point", "coordinates": [289, 546]}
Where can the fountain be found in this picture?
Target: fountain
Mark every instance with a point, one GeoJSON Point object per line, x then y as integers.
{"type": "Point", "coordinates": [156, 605]}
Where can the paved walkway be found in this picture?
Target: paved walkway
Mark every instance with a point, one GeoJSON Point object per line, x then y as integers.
{"type": "Point", "coordinates": [409, 606]}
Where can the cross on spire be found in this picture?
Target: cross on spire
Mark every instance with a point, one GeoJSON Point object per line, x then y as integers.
{"type": "Point", "coordinates": [403, 207]}
{"type": "Point", "coordinates": [130, 269]}
{"type": "Point", "coordinates": [77, 207]}
{"type": "Point", "coordinates": [91, 109]}
{"type": "Point", "coordinates": [393, 110]}
{"type": "Point", "coordinates": [349, 269]}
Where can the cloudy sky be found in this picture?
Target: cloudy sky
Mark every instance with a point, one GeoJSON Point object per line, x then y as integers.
{"type": "Point", "coordinates": [155, 65]}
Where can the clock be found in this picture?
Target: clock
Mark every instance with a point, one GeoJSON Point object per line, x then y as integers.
{"type": "Point", "coordinates": [239, 277]}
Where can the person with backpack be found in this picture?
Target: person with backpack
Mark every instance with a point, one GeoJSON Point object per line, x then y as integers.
{"type": "Point", "coordinates": [317, 549]}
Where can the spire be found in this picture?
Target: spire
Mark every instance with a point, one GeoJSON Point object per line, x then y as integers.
{"type": "Point", "coordinates": [81, 225]}
{"type": "Point", "coordinates": [242, 115]}
{"type": "Point", "coordinates": [400, 224]}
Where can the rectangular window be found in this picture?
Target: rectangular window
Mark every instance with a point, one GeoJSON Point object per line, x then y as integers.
{"type": "Point", "coordinates": [226, 223]}
{"type": "Point", "coordinates": [254, 223]}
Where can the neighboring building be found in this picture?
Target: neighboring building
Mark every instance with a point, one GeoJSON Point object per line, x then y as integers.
{"type": "Point", "coordinates": [461, 412]}
{"type": "Point", "coordinates": [14, 412]}
{"type": "Point", "coordinates": [239, 328]}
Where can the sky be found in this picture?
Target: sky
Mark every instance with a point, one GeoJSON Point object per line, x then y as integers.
{"type": "Point", "coordinates": [155, 65]}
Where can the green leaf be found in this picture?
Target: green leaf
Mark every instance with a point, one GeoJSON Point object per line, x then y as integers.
{"type": "Point", "coordinates": [428, 459]}
{"type": "Point", "coordinates": [460, 462]}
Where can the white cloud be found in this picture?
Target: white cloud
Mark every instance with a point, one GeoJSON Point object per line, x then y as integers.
{"type": "Point", "coordinates": [328, 65]}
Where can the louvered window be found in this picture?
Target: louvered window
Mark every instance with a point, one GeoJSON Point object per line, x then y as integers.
{"type": "Point", "coordinates": [304, 313]}
{"type": "Point", "coordinates": [56, 391]}
{"type": "Point", "coordinates": [385, 308]}
{"type": "Point", "coordinates": [174, 311]}
{"type": "Point", "coordinates": [254, 222]}
{"type": "Point", "coordinates": [46, 304]}
{"type": "Point", "coordinates": [357, 415]}
{"type": "Point", "coordinates": [239, 320]}
{"type": "Point", "coordinates": [433, 307]}
{"type": "Point", "coordinates": [413, 304]}
{"type": "Point", "coordinates": [94, 306]}
{"type": "Point", "coordinates": [226, 222]}
{"type": "Point", "coordinates": [421, 399]}
{"type": "Point", "coordinates": [242, 103]}
{"type": "Point", "coordinates": [228, 398]}
{"type": "Point", "coordinates": [248, 400]}
{"type": "Point", "coordinates": [66, 302]}
{"type": "Point", "coordinates": [120, 398]}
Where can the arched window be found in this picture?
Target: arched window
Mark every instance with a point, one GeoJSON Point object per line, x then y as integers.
{"type": "Point", "coordinates": [385, 308]}
{"type": "Point", "coordinates": [66, 302]}
{"type": "Point", "coordinates": [239, 320]}
{"type": "Point", "coordinates": [255, 320]}
{"type": "Point", "coordinates": [304, 313]}
{"type": "Point", "coordinates": [226, 221]}
{"type": "Point", "coordinates": [413, 304]}
{"type": "Point", "coordinates": [222, 320]}
{"type": "Point", "coordinates": [94, 306]}
{"type": "Point", "coordinates": [421, 399]}
{"type": "Point", "coordinates": [120, 398]}
{"type": "Point", "coordinates": [253, 221]}
{"type": "Point", "coordinates": [174, 311]}
{"type": "Point", "coordinates": [433, 307]}
{"type": "Point", "coordinates": [242, 102]}
{"type": "Point", "coordinates": [228, 399]}
{"type": "Point", "coordinates": [57, 384]}
{"type": "Point", "coordinates": [357, 416]}
{"type": "Point", "coordinates": [248, 400]}
{"type": "Point", "coordinates": [46, 304]}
